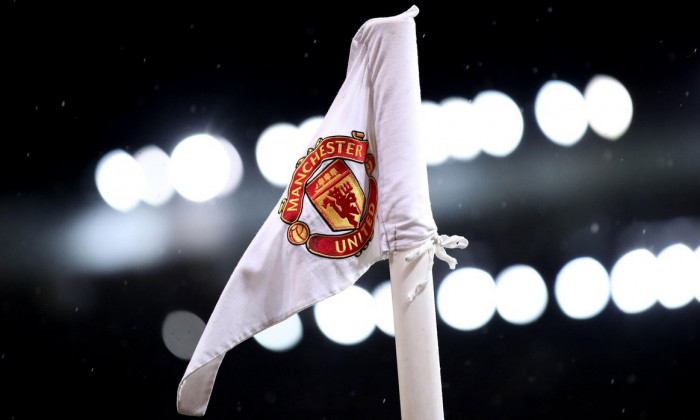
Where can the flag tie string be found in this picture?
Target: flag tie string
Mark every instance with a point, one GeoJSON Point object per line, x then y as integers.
{"type": "Point", "coordinates": [436, 247]}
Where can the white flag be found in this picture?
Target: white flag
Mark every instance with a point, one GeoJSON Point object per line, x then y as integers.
{"type": "Point", "coordinates": [359, 193]}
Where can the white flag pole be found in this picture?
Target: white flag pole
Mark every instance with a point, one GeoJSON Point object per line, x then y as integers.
{"type": "Point", "coordinates": [415, 331]}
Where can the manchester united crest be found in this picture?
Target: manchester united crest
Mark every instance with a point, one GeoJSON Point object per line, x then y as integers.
{"type": "Point", "coordinates": [335, 194]}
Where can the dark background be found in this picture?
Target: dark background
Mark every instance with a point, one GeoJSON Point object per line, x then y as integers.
{"type": "Point", "coordinates": [82, 79]}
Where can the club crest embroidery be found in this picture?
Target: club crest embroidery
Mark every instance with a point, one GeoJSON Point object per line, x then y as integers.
{"type": "Point", "coordinates": [335, 194]}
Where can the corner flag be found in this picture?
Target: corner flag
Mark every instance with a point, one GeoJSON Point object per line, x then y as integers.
{"type": "Point", "coordinates": [358, 195]}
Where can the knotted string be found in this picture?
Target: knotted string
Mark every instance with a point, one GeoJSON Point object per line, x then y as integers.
{"type": "Point", "coordinates": [435, 247]}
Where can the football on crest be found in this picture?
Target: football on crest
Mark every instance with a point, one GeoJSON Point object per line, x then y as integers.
{"type": "Point", "coordinates": [298, 233]}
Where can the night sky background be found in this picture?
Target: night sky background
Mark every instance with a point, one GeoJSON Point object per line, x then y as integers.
{"type": "Point", "coordinates": [81, 79]}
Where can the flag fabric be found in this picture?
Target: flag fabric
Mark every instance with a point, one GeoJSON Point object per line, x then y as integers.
{"type": "Point", "coordinates": [358, 193]}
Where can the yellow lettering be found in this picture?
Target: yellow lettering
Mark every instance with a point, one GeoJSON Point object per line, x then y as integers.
{"type": "Point", "coordinates": [303, 167]}
{"type": "Point", "coordinates": [358, 150]}
{"type": "Point", "coordinates": [299, 177]}
{"type": "Point", "coordinates": [337, 249]}
{"type": "Point", "coordinates": [292, 204]}
{"type": "Point", "coordinates": [364, 228]}
{"type": "Point", "coordinates": [340, 146]}
{"type": "Point", "coordinates": [352, 243]}
{"type": "Point", "coordinates": [350, 148]}
{"type": "Point", "coordinates": [331, 147]}
{"type": "Point", "coordinates": [314, 157]}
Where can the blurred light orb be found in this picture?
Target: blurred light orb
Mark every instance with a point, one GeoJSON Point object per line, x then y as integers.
{"type": "Point", "coordinates": [181, 331]}
{"type": "Point", "coordinates": [384, 308]}
{"type": "Point", "coordinates": [582, 288]}
{"type": "Point", "coordinates": [308, 129]}
{"type": "Point", "coordinates": [678, 275]}
{"type": "Point", "coordinates": [236, 168]}
{"type": "Point", "coordinates": [521, 294]}
{"type": "Point", "coordinates": [154, 164]}
{"type": "Point", "coordinates": [277, 151]}
{"type": "Point", "coordinates": [633, 281]}
{"type": "Point", "coordinates": [561, 112]}
{"type": "Point", "coordinates": [199, 167]}
{"type": "Point", "coordinates": [459, 121]}
{"type": "Point", "coordinates": [498, 123]}
{"type": "Point", "coordinates": [104, 241]}
{"type": "Point", "coordinates": [433, 134]}
{"type": "Point", "coordinates": [120, 180]}
{"type": "Point", "coordinates": [609, 105]}
{"type": "Point", "coordinates": [347, 317]}
{"type": "Point", "coordinates": [466, 299]}
{"type": "Point", "coordinates": [282, 336]}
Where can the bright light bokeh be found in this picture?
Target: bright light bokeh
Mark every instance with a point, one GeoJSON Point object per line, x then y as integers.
{"type": "Point", "coordinates": [433, 133]}
{"type": "Point", "coordinates": [199, 167]}
{"type": "Point", "coordinates": [458, 117]}
{"type": "Point", "coordinates": [282, 336]}
{"type": "Point", "coordinates": [235, 175]}
{"type": "Point", "coordinates": [561, 112]}
{"type": "Point", "coordinates": [498, 123]}
{"type": "Point", "coordinates": [609, 107]}
{"type": "Point", "coordinates": [107, 241]}
{"type": "Point", "coordinates": [120, 180]}
{"type": "Point", "coordinates": [308, 128]}
{"type": "Point", "coordinates": [154, 164]}
{"type": "Point", "coordinates": [466, 298]}
{"type": "Point", "coordinates": [678, 270]}
{"type": "Point", "coordinates": [582, 288]}
{"type": "Point", "coordinates": [521, 294]}
{"type": "Point", "coordinates": [181, 331]}
{"type": "Point", "coordinates": [633, 281]}
{"type": "Point", "coordinates": [347, 317]}
{"type": "Point", "coordinates": [383, 307]}
{"type": "Point", "coordinates": [277, 151]}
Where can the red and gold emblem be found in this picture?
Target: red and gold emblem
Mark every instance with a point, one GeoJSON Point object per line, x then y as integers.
{"type": "Point", "coordinates": [337, 196]}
